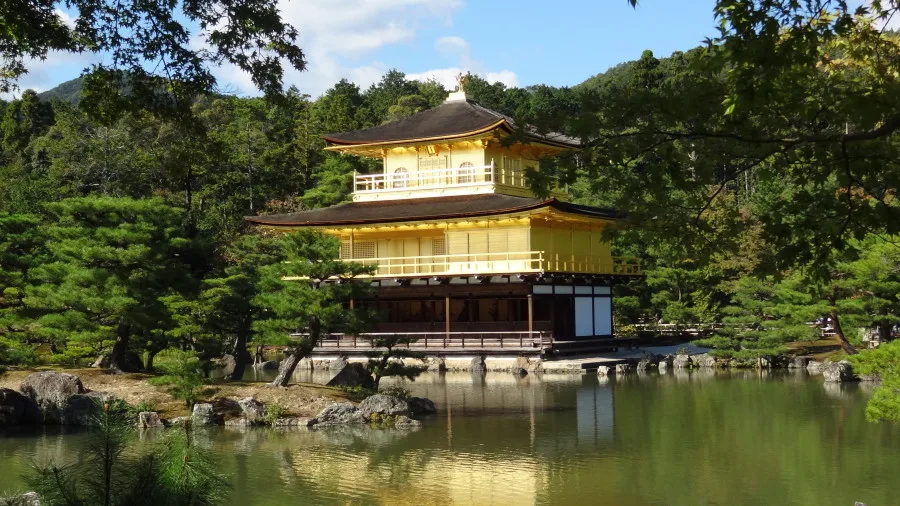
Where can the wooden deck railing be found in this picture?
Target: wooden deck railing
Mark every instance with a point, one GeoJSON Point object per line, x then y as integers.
{"type": "Point", "coordinates": [439, 178]}
{"type": "Point", "coordinates": [441, 341]}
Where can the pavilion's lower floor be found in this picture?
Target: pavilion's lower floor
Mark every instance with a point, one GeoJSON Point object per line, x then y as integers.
{"type": "Point", "coordinates": [490, 315]}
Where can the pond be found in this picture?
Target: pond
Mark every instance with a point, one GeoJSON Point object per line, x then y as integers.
{"type": "Point", "coordinates": [682, 438]}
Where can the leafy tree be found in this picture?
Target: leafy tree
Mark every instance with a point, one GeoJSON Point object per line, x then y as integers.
{"type": "Point", "coordinates": [387, 359]}
{"type": "Point", "coordinates": [151, 62]}
{"type": "Point", "coordinates": [301, 292]}
{"type": "Point", "coordinates": [111, 259]}
{"type": "Point", "coordinates": [21, 249]}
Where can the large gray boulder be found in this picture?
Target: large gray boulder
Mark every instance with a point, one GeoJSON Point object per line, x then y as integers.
{"type": "Point", "coordinates": [352, 375]}
{"type": "Point", "coordinates": [82, 409]}
{"type": "Point", "coordinates": [293, 422]}
{"type": "Point", "coordinates": [227, 363]}
{"type": "Point", "coordinates": [383, 405]}
{"type": "Point", "coordinates": [48, 393]}
{"type": "Point", "coordinates": [799, 363]}
{"type": "Point", "coordinates": [665, 362]}
{"type": "Point", "coordinates": [253, 410]}
{"type": "Point", "coordinates": [705, 360]}
{"type": "Point", "coordinates": [682, 361]}
{"type": "Point", "coordinates": [205, 414]}
{"type": "Point", "coordinates": [13, 407]}
{"type": "Point", "coordinates": [339, 414]}
{"type": "Point", "coordinates": [814, 367]}
{"type": "Point", "coordinates": [419, 406]}
{"type": "Point", "coordinates": [838, 372]}
{"type": "Point", "coordinates": [149, 420]}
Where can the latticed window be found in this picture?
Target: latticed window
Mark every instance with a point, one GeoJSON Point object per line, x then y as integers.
{"type": "Point", "coordinates": [439, 246]}
{"type": "Point", "coordinates": [466, 173]}
{"type": "Point", "coordinates": [346, 251]}
{"type": "Point", "coordinates": [364, 249]}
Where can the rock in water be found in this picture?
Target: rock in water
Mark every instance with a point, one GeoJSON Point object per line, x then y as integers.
{"type": "Point", "coordinates": [339, 414]}
{"type": "Point", "coordinates": [606, 370]}
{"type": "Point", "coordinates": [838, 372]}
{"type": "Point", "coordinates": [227, 363]}
{"type": "Point", "coordinates": [204, 414]}
{"type": "Point", "coordinates": [665, 362]}
{"type": "Point", "coordinates": [293, 422]}
{"type": "Point", "coordinates": [352, 375]}
{"type": "Point", "coordinates": [477, 365]}
{"type": "Point", "coordinates": [253, 410]}
{"type": "Point", "coordinates": [705, 360]}
{"type": "Point", "coordinates": [268, 365]}
{"type": "Point", "coordinates": [13, 407]}
{"type": "Point", "coordinates": [437, 364]}
{"type": "Point", "coordinates": [419, 406]}
{"type": "Point", "coordinates": [149, 420]}
{"type": "Point", "coordinates": [48, 393]}
{"type": "Point", "coordinates": [626, 368]}
{"type": "Point", "coordinates": [520, 372]}
{"type": "Point", "coordinates": [682, 361]}
{"type": "Point", "coordinates": [384, 405]}
{"type": "Point", "coordinates": [815, 367]}
{"type": "Point", "coordinates": [798, 363]}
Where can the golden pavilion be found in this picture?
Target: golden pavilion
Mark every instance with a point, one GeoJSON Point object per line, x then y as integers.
{"type": "Point", "coordinates": [468, 258]}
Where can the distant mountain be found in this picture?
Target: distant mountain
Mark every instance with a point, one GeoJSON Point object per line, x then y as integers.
{"type": "Point", "coordinates": [69, 91]}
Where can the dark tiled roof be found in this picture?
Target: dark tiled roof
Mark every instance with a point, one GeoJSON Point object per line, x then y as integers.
{"type": "Point", "coordinates": [422, 209]}
{"type": "Point", "coordinates": [450, 119]}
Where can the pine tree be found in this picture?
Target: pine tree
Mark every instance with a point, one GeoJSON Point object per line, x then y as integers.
{"type": "Point", "coordinates": [111, 259]}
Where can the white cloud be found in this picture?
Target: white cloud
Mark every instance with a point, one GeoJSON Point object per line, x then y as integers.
{"type": "Point", "coordinates": [459, 48]}
{"type": "Point", "coordinates": [338, 38]}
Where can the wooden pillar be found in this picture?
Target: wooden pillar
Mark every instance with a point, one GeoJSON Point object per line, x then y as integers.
{"type": "Point", "coordinates": [530, 316]}
{"type": "Point", "coordinates": [352, 304]}
{"type": "Point", "coordinates": [446, 319]}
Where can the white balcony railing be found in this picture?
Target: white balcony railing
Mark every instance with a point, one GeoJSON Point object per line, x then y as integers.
{"type": "Point", "coordinates": [451, 177]}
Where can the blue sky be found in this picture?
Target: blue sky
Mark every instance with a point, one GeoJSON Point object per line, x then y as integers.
{"type": "Point", "coordinates": [516, 42]}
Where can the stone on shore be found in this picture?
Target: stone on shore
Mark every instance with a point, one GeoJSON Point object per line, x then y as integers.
{"type": "Point", "coordinates": [665, 362]}
{"type": "Point", "coordinates": [352, 375]}
{"type": "Point", "coordinates": [204, 414]}
{"type": "Point", "coordinates": [252, 409]}
{"type": "Point", "coordinates": [268, 365]}
{"type": "Point", "coordinates": [13, 407]}
{"type": "Point", "coordinates": [405, 422]}
{"type": "Point", "coordinates": [814, 367]}
{"type": "Point", "coordinates": [682, 361]}
{"type": "Point", "coordinates": [705, 360]}
{"type": "Point", "coordinates": [48, 394]}
{"type": "Point", "coordinates": [341, 413]}
{"type": "Point", "coordinates": [383, 405]}
{"type": "Point", "coordinates": [339, 364]}
{"type": "Point", "coordinates": [477, 365]}
{"type": "Point", "coordinates": [437, 364]}
{"type": "Point", "coordinates": [149, 420]}
{"type": "Point", "coordinates": [227, 363]}
{"type": "Point", "coordinates": [81, 409]}
{"type": "Point", "coordinates": [838, 372]}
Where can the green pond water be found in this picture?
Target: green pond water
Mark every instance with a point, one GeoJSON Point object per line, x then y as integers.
{"type": "Point", "coordinates": [697, 438]}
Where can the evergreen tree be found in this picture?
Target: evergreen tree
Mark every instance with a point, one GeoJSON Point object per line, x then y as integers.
{"type": "Point", "coordinates": [111, 259]}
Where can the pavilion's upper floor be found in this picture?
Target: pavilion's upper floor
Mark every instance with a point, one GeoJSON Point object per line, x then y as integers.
{"type": "Point", "coordinates": [457, 148]}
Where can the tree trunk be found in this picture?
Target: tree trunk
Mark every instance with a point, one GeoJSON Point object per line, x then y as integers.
{"type": "Point", "coordinates": [241, 357]}
{"type": "Point", "coordinates": [298, 351]}
{"type": "Point", "coordinates": [118, 357]}
{"type": "Point", "coordinates": [884, 331]}
{"type": "Point", "coordinates": [839, 333]}
{"type": "Point", "coordinates": [286, 369]}
{"type": "Point", "coordinates": [151, 354]}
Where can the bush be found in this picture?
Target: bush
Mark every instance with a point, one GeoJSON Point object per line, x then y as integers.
{"type": "Point", "coordinates": [356, 393]}
{"type": "Point", "coordinates": [275, 411]}
{"type": "Point", "coordinates": [183, 375]}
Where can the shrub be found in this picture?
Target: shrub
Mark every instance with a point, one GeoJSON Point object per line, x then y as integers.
{"type": "Point", "coordinates": [275, 411]}
{"type": "Point", "coordinates": [397, 391]}
{"type": "Point", "coordinates": [182, 375]}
